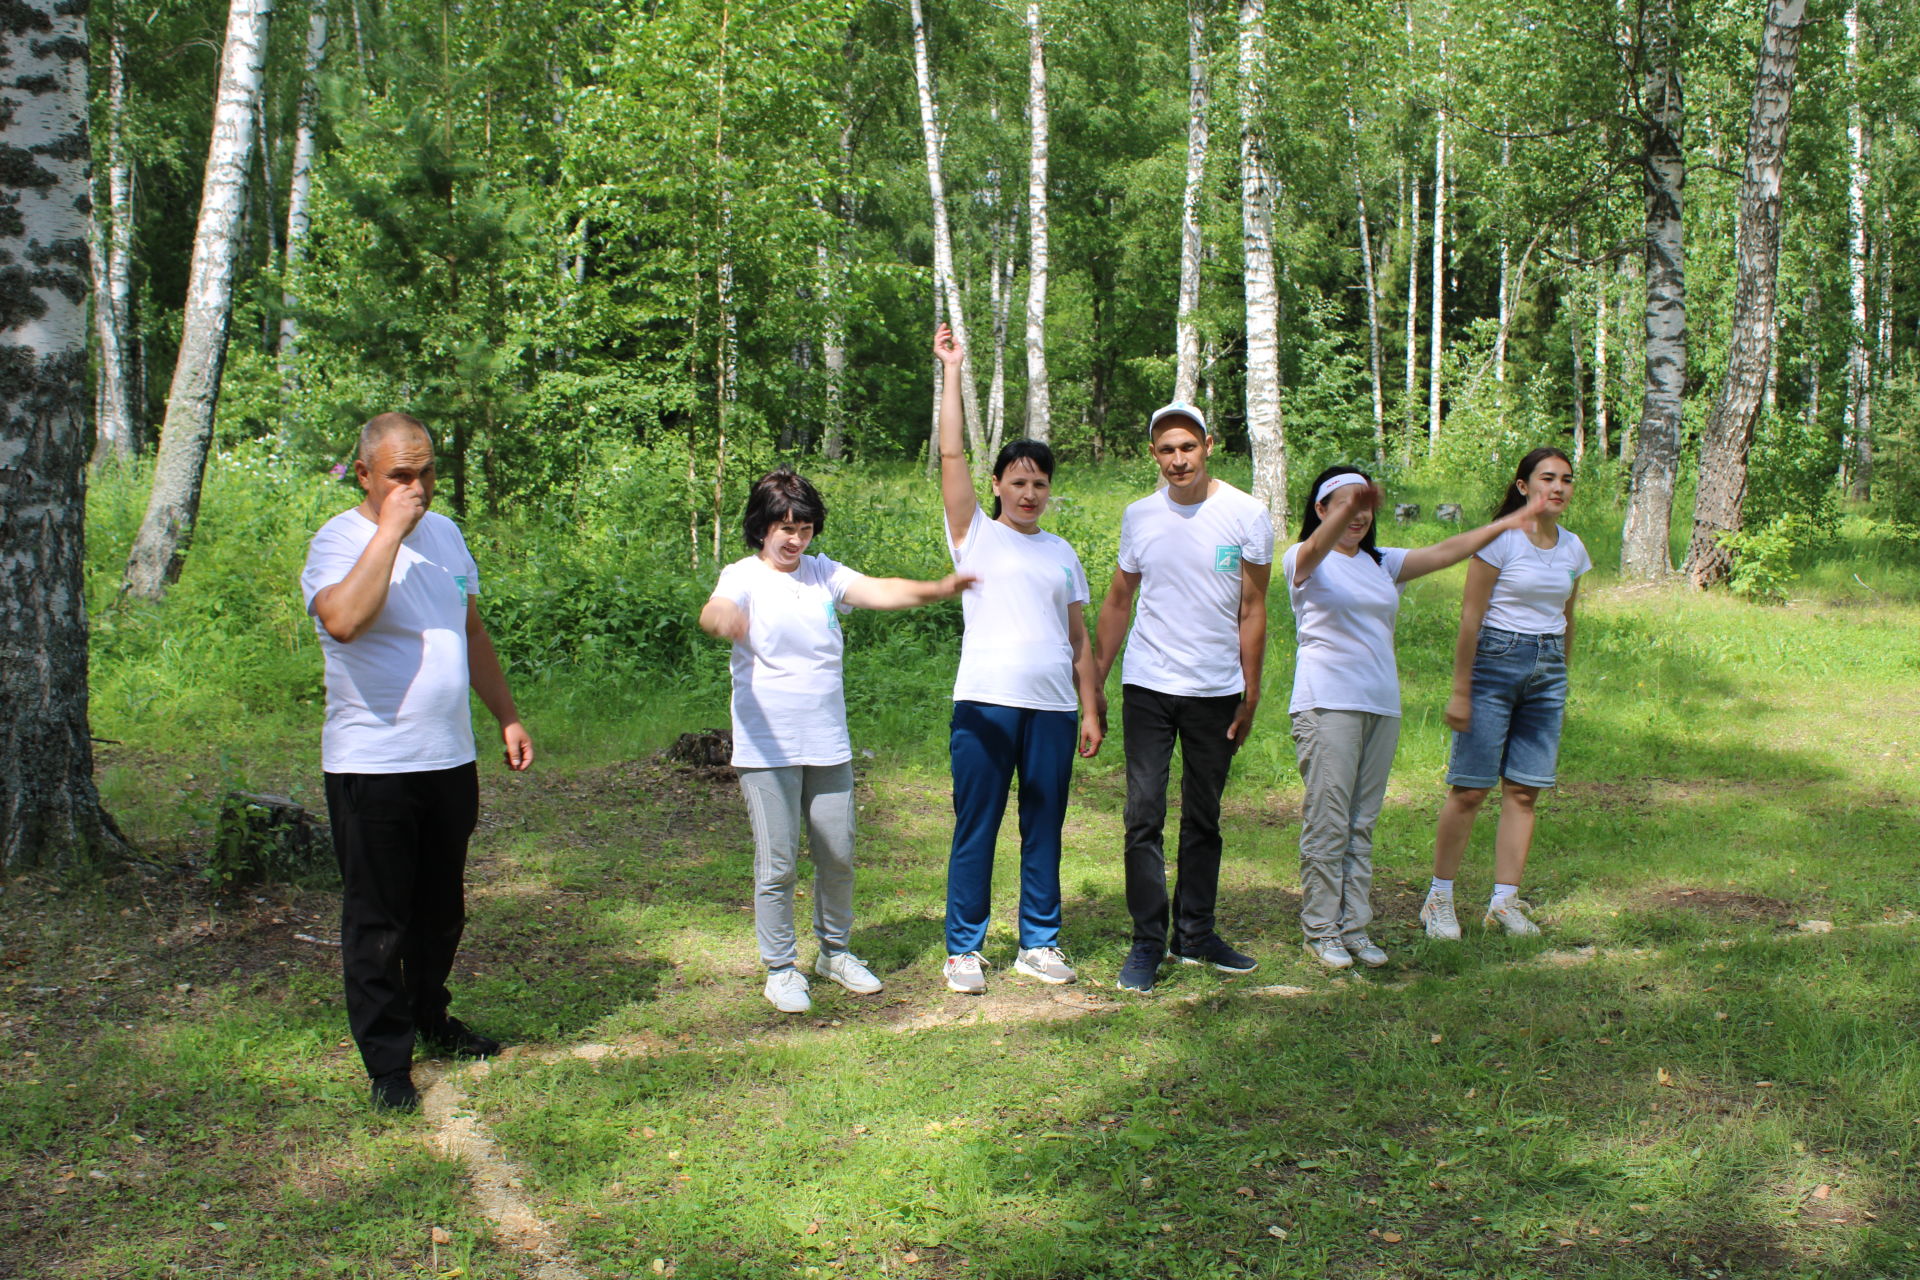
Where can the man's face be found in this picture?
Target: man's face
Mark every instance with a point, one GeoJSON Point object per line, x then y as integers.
{"type": "Point", "coordinates": [1180, 450]}
{"type": "Point", "coordinates": [402, 460]}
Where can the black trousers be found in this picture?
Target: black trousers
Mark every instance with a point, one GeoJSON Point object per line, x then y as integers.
{"type": "Point", "coordinates": [1152, 722]}
{"type": "Point", "coordinates": [401, 839]}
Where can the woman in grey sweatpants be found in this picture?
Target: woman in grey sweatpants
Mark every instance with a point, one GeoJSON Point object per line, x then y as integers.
{"type": "Point", "coordinates": [1345, 594]}
{"type": "Point", "coordinates": [781, 609]}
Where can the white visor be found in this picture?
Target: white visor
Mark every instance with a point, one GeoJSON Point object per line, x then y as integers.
{"type": "Point", "coordinates": [1340, 481]}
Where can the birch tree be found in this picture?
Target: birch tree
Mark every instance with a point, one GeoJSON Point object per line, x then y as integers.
{"type": "Point", "coordinates": [1410, 397]}
{"type": "Point", "coordinates": [300, 187]}
{"type": "Point", "coordinates": [1369, 284]}
{"type": "Point", "coordinates": [110, 244]}
{"type": "Point", "coordinates": [1857, 442]}
{"type": "Point", "coordinates": [50, 814]}
{"type": "Point", "coordinates": [1436, 322]}
{"type": "Point", "coordinates": [1039, 392]}
{"type": "Point", "coordinates": [1186, 381]}
{"type": "Point", "coordinates": [1729, 430]}
{"type": "Point", "coordinates": [1600, 361]}
{"type": "Point", "coordinates": [1265, 431]}
{"type": "Point", "coordinates": [1644, 549]}
{"type": "Point", "coordinates": [160, 549]}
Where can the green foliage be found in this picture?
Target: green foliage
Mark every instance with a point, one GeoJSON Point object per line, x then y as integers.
{"type": "Point", "coordinates": [1763, 557]}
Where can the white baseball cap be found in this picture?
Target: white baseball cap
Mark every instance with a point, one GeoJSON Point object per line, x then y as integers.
{"type": "Point", "coordinates": [1178, 409]}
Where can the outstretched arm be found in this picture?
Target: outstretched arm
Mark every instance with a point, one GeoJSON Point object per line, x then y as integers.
{"type": "Point", "coordinates": [904, 593]}
{"type": "Point", "coordinates": [1422, 561]}
{"type": "Point", "coordinates": [956, 482]}
{"type": "Point", "coordinates": [1473, 610]}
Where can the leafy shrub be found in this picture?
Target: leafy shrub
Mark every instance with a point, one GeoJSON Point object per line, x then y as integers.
{"type": "Point", "coordinates": [1763, 557]}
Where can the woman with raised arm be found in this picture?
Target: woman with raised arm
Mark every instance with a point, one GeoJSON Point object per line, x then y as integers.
{"type": "Point", "coordinates": [1025, 666]}
{"type": "Point", "coordinates": [1345, 594]}
{"type": "Point", "coordinates": [1509, 691]}
{"type": "Point", "coordinates": [781, 609]}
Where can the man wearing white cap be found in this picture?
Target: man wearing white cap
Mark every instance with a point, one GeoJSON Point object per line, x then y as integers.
{"type": "Point", "coordinates": [1197, 555]}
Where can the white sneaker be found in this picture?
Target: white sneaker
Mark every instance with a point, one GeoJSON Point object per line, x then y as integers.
{"type": "Point", "coordinates": [1045, 963]}
{"type": "Point", "coordinates": [848, 970]}
{"type": "Point", "coordinates": [964, 974]}
{"type": "Point", "coordinates": [1363, 950]}
{"type": "Point", "coordinates": [1329, 952]}
{"type": "Point", "coordinates": [787, 991]}
{"type": "Point", "coordinates": [1511, 915]}
{"type": "Point", "coordinates": [1437, 915]}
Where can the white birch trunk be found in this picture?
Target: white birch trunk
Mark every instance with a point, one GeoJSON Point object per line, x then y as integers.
{"type": "Point", "coordinates": [159, 551]}
{"type": "Point", "coordinates": [1264, 430]}
{"type": "Point", "coordinates": [1600, 361]}
{"type": "Point", "coordinates": [1039, 391]}
{"type": "Point", "coordinates": [110, 244]}
{"type": "Point", "coordinates": [300, 188]}
{"type": "Point", "coordinates": [1856, 460]}
{"type": "Point", "coordinates": [833, 292]}
{"type": "Point", "coordinates": [1579, 371]}
{"type": "Point", "coordinates": [50, 814]}
{"type": "Point", "coordinates": [1371, 284]}
{"type": "Point", "coordinates": [1436, 321]}
{"type": "Point", "coordinates": [1186, 380]}
{"type": "Point", "coordinates": [1655, 441]}
{"type": "Point", "coordinates": [1728, 434]}
{"type": "Point", "coordinates": [1410, 398]}
{"type": "Point", "coordinates": [1506, 304]}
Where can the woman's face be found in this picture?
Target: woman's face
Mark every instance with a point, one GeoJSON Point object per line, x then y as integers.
{"type": "Point", "coordinates": [785, 542]}
{"type": "Point", "coordinates": [1023, 490]}
{"type": "Point", "coordinates": [1552, 477]}
{"type": "Point", "coordinates": [1359, 520]}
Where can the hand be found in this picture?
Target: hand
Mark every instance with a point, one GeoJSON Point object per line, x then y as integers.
{"type": "Point", "coordinates": [946, 350]}
{"type": "Point", "coordinates": [519, 746]}
{"type": "Point", "coordinates": [1527, 518]}
{"type": "Point", "coordinates": [1350, 499]}
{"type": "Point", "coordinates": [1093, 731]}
{"type": "Point", "coordinates": [1242, 723]}
{"type": "Point", "coordinates": [1459, 712]}
{"type": "Point", "coordinates": [954, 583]}
{"type": "Point", "coordinates": [402, 509]}
{"type": "Point", "coordinates": [737, 625]}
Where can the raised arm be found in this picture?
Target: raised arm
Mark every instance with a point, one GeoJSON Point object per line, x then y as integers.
{"type": "Point", "coordinates": [1422, 561]}
{"type": "Point", "coordinates": [1253, 645]}
{"type": "Point", "coordinates": [956, 482]}
{"type": "Point", "coordinates": [1086, 682]}
{"type": "Point", "coordinates": [904, 593]}
{"type": "Point", "coordinates": [490, 682]}
{"type": "Point", "coordinates": [1473, 610]}
{"type": "Point", "coordinates": [350, 606]}
{"type": "Point", "coordinates": [1342, 505]}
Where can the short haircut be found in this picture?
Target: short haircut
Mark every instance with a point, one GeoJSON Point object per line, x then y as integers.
{"type": "Point", "coordinates": [1035, 451]}
{"type": "Point", "coordinates": [380, 426]}
{"type": "Point", "coordinates": [780, 495]}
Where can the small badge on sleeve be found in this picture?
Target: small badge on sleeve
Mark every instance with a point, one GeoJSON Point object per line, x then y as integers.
{"type": "Point", "coordinates": [1226, 559]}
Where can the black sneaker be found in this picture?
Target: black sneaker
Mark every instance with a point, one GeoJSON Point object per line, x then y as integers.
{"type": "Point", "coordinates": [394, 1091]}
{"type": "Point", "coordinates": [1212, 950]}
{"type": "Point", "coordinates": [455, 1039]}
{"type": "Point", "coordinates": [1141, 968]}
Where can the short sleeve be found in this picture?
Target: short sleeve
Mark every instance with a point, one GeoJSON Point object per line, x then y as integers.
{"type": "Point", "coordinates": [965, 549]}
{"type": "Point", "coordinates": [1288, 559]}
{"type": "Point", "coordinates": [1586, 561]}
{"type": "Point", "coordinates": [838, 578]}
{"type": "Point", "coordinates": [465, 558]}
{"type": "Point", "coordinates": [1498, 552]}
{"type": "Point", "coordinates": [1391, 560]}
{"type": "Point", "coordinates": [330, 558]}
{"type": "Point", "coordinates": [1082, 594]}
{"type": "Point", "coordinates": [734, 584]}
{"type": "Point", "coordinates": [1129, 558]}
{"type": "Point", "coordinates": [1256, 543]}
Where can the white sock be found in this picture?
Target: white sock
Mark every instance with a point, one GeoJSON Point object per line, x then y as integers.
{"type": "Point", "coordinates": [1440, 888]}
{"type": "Point", "coordinates": [1501, 892]}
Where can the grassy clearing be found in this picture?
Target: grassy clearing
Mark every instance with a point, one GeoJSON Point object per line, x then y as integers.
{"type": "Point", "coordinates": [1679, 1080]}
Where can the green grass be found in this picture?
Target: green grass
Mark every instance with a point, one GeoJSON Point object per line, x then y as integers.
{"type": "Point", "coordinates": [1676, 1080]}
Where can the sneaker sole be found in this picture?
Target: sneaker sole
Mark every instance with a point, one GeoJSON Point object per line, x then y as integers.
{"type": "Point", "coordinates": [1491, 923]}
{"type": "Point", "coordinates": [957, 989]}
{"type": "Point", "coordinates": [1381, 963]}
{"type": "Point", "coordinates": [1315, 957]}
{"type": "Point", "coordinates": [1223, 968]}
{"type": "Point", "coordinates": [1438, 936]}
{"type": "Point", "coordinates": [859, 991]}
{"type": "Point", "coordinates": [1021, 966]}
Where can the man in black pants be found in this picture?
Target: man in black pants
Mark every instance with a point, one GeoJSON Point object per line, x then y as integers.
{"type": "Point", "coordinates": [1197, 554]}
{"type": "Point", "coordinates": [391, 587]}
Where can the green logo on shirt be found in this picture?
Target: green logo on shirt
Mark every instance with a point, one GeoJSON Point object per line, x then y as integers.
{"type": "Point", "coordinates": [833, 618]}
{"type": "Point", "coordinates": [1226, 559]}
{"type": "Point", "coordinates": [460, 580]}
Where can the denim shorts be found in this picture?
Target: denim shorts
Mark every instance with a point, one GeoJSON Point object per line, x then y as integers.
{"type": "Point", "coordinates": [1519, 698]}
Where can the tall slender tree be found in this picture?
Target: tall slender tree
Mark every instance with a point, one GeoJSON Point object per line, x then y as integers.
{"type": "Point", "coordinates": [1369, 283]}
{"type": "Point", "coordinates": [300, 186]}
{"type": "Point", "coordinates": [1437, 320]}
{"type": "Point", "coordinates": [1186, 380]}
{"type": "Point", "coordinates": [1857, 443]}
{"type": "Point", "coordinates": [117, 424]}
{"type": "Point", "coordinates": [50, 814]}
{"type": "Point", "coordinates": [160, 549]}
{"type": "Point", "coordinates": [1266, 431]}
{"type": "Point", "coordinates": [1039, 129]}
{"type": "Point", "coordinates": [1718, 503]}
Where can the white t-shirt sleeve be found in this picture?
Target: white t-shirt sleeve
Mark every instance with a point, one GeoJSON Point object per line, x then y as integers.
{"type": "Point", "coordinates": [838, 578]}
{"type": "Point", "coordinates": [964, 548]}
{"type": "Point", "coordinates": [330, 558]}
{"type": "Point", "coordinates": [1129, 557]}
{"type": "Point", "coordinates": [734, 584]}
{"type": "Point", "coordinates": [1586, 561]}
{"type": "Point", "coordinates": [1391, 559]}
{"type": "Point", "coordinates": [1256, 544]}
{"type": "Point", "coordinates": [1082, 593]}
{"type": "Point", "coordinates": [1499, 552]}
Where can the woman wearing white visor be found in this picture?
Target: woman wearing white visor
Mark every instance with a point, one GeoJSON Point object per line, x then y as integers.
{"type": "Point", "coordinates": [1345, 594]}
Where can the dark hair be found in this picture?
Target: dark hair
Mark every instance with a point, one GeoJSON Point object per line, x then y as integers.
{"type": "Point", "coordinates": [1034, 451]}
{"type": "Point", "coordinates": [1310, 520]}
{"type": "Point", "coordinates": [1514, 499]}
{"type": "Point", "coordinates": [782, 494]}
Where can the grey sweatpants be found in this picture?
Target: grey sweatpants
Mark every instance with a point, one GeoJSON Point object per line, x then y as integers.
{"type": "Point", "coordinates": [1344, 758]}
{"type": "Point", "coordinates": [778, 801]}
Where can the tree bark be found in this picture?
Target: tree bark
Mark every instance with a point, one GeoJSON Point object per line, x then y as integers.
{"type": "Point", "coordinates": [1600, 360]}
{"type": "Point", "coordinates": [1186, 380]}
{"type": "Point", "coordinates": [1436, 322]}
{"type": "Point", "coordinates": [1857, 440]}
{"type": "Point", "coordinates": [50, 814]}
{"type": "Point", "coordinates": [833, 286]}
{"type": "Point", "coordinates": [1371, 284]}
{"type": "Point", "coordinates": [1579, 370]}
{"type": "Point", "coordinates": [300, 189]}
{"type": "Point", "coordinates": [1410, 398]}
{"type": "Point", "coordinates": [1729, 430]}
{"type": "Point", "coordinates": [1039, 391]}
{"type": "Point", "coordinates": [1505, 321]}
{"type": "Point", "coordinates": [946, 283]}
{"type": "Point", "coordinates": [1265, 431]}
{"type": "Point", "coordinates": [1644, 549]}
{"type": "Point", "coordinates": [160, 549]}
{"type": "Point", "coordinates": [110, 230]}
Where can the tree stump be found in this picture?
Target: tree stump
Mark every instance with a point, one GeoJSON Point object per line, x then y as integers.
{"type": "Point", "coordinates": [267, 838]}
{"type": "Point", "coordinates": [710, 749]}
{"type": "Point", "coordinates": [1447, 513]}
{"type": "Point", "coordinates": [1406, 512]}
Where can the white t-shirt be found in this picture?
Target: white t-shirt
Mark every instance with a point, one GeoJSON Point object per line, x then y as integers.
{"type": "Point", "coordinates": [1017, 651]}
{"type": "Point", "coordinates": [1530, 595]}
{"type": "Point", "coordinates": [1344, 614]}
{"type": "Point", "coordinates": [789, 707]}
{"type": "Point", "coordinates": [397, 696]}
{"type": "Point", "coordinates": [1186, 629]}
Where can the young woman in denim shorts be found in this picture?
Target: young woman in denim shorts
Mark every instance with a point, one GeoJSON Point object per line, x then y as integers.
{"type": "Point", "coordinates": [1509, 691]}
{"type": "Point", "coordinates": [1345, 708]}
